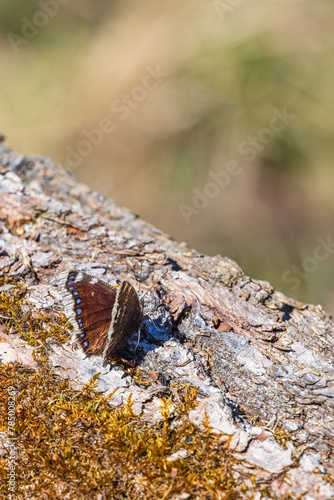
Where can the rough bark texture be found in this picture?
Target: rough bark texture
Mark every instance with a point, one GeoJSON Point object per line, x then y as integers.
{"type": "Point", "coordinates": [262, 361]}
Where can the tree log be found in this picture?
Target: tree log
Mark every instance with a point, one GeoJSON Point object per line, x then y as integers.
{"type": "Point", "coordinates": [263, 363]}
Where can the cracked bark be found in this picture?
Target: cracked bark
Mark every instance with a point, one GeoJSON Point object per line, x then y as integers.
{"type": "Point", "coordinates": [260, 359]}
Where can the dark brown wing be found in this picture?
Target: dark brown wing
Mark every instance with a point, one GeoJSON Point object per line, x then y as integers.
{"type": "Point", "coordinates": [88, 304]}
{"type": "Point", "coordinates": [126, 319]}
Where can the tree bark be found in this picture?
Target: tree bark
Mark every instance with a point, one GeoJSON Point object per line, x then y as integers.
{"type": "Point", "coordinates": [263, 362]}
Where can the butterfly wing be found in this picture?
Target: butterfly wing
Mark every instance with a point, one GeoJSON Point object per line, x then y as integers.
{"type": "Point", "coordinates": [88, 303]}
{"type": "Point", "coordinates": [126, 318]}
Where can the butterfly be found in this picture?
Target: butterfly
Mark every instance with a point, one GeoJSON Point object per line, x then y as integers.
{"type": "Point", "coordinates": [104, 318]}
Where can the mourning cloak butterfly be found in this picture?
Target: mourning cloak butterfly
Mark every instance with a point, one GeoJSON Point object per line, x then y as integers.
{"type": "Point", "coordinates": [104, 318]}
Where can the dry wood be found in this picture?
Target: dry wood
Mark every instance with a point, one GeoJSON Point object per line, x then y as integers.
{"type": "Point", "coordinates": [262, 361]}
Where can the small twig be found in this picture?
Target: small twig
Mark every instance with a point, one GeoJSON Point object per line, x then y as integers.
{"type": "Point", "coordinates": [64, 222]}
{"type": "Point", "coordinates": [5, 317]}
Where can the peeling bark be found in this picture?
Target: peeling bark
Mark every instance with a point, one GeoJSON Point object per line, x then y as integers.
{"type": "Point", "coordinates": [261, 360]}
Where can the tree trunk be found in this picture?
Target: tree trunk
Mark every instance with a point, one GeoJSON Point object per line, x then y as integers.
{"type": "Point", "coordinates": [263, 362]}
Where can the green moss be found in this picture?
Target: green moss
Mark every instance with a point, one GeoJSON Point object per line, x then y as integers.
{"type": "Point", "coordinates": [74, 443]}
{"type": "Point", "coordinates": [34, 327]}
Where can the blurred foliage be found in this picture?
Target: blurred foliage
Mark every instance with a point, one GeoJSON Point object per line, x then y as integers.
{"type": "Point", "coordinates": [227, 69]}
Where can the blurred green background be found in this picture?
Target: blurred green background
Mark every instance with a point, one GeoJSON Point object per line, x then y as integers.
{"type": "Point", "coordinates": [146, 101]}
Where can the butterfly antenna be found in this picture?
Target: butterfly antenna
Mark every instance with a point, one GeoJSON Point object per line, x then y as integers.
{"type": "Point", "coordinates": [159, 278]}
{"type": "Point", "coordinates": [138, 340]}
{"type": "Point", "coordinates": [155, 326]}
{"type": "Point", "coordinates": [141, 298]}
{"type": "Point", "coordinates": [161, 331]}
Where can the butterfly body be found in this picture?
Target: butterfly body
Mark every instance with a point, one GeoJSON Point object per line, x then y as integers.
{"type": "Point", "coordinates": [104, 318]}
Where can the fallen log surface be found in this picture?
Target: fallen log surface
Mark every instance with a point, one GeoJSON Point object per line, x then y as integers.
{"type": "Point", "coordinates": [263, 363]}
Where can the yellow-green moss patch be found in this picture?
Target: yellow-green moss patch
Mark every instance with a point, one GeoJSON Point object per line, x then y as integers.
{"type": "Point", "coordinates": [73, 444]}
